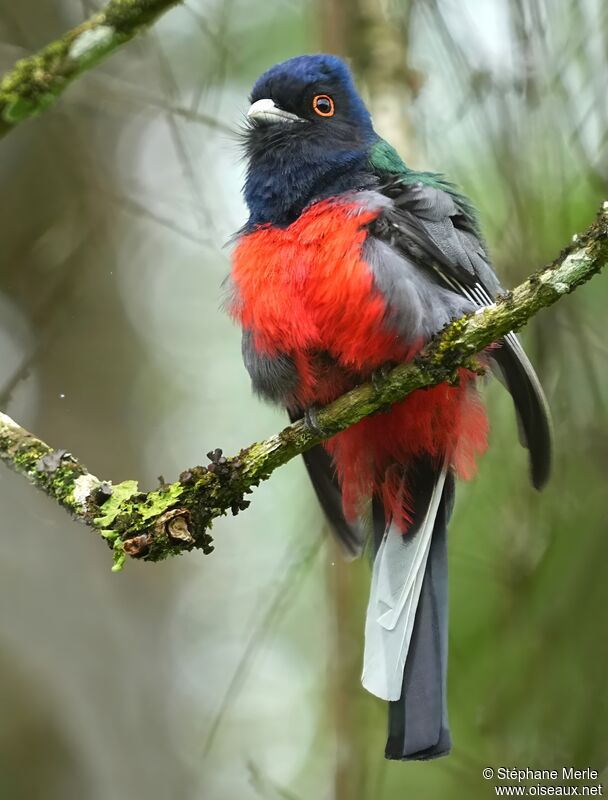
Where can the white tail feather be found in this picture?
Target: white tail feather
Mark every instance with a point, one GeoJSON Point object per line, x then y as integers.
{"type": "Point", "coordinates": [397, 578]}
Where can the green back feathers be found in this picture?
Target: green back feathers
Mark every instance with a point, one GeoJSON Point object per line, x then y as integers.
{"type": "Point", "coordinates": [385, 159]}
{"type": "Point", "coordinates": [386, 162]}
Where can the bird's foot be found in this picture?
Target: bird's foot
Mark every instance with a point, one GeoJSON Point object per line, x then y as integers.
{"type": "Point", "coordinates": [312, 422]}
{"type": "Point", "coordinates": [379, 376]}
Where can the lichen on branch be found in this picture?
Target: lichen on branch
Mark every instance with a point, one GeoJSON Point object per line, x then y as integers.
{"type": "Point", "coordinates": [34, 83]}
{"type": "Point", "coordinates": [177, 517]}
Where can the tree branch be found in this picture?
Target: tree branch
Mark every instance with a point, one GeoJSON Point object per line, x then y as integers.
{"type": "Point", "coordinates": [178, 516]}
{"type": "Point", "coordinates": [34, 83]}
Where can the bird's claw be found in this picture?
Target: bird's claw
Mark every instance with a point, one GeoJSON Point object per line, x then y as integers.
{"type": "Point", "coordinates": [379, 376]}
{"type": "Point", "coordinates": [312, 423]}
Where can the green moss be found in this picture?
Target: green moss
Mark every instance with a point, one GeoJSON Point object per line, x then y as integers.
{"type": "Point", "coordinates": [25, 456]}
{"type": "Point", "coordinates": [34, 83]}
{"type": "Point", "coordinates": [119, 556]}
{"type": "Point", "coordinates": [447, 347]}
{"type": "Point", "coordinates": [113, 506]}
{"type": "Point", "coordinates": [61, 482]}
{"type": "Point", "coordinates": [161, 548]}
{"type": "Point", "coordinates": [127, 16]}
{"type": "Point", "coordinates": [18, 109]}
{"type": "Point", "coordinates": [158, 502]}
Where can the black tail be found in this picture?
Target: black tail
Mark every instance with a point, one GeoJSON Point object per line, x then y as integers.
{"type": "Point", "coordinates": [418, 722]}
{"type": "Point", "coordinates": [325, 483]}
{"type": "Point", "coordinates": [533, 413]}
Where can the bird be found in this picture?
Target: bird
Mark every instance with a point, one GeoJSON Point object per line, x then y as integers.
{"type": "Point", "coordinates": [349, 263]}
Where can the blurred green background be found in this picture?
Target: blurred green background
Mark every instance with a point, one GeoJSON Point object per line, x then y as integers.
{"type": "Point", "coordinates": [237, 675]}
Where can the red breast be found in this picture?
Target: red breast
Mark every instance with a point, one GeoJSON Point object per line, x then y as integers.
{"type": "Point", "coordinates": [305, 289]}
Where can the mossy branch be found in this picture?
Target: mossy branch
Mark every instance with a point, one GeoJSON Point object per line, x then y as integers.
{"type": "Point", "coordinates": [34, 83]}
{"type": "Point", "coordinates": [178, 516]}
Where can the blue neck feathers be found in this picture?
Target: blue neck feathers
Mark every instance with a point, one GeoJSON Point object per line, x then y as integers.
{"type": "Point", "coordinates": [281, 183]}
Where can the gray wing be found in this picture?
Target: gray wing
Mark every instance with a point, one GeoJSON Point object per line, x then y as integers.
{"type": "Point", "coordinates": [273, 378]}
{"type": "Point", "coordinates": [440, 251]}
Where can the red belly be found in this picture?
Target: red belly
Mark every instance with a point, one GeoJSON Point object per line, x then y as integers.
{"type": "Point", "coordinates": [305, 290]}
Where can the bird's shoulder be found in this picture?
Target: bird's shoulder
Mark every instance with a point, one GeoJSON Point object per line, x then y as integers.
{"type": "Point", "coordinates": [388, 166]}
{"type": "Point", "coordinates": [429, 220]}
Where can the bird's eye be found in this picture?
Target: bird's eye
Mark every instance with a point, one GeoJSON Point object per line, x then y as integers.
{"type": "Point", "coordinates": [323, 105]}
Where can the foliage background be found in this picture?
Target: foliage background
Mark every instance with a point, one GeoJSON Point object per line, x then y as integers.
{"type": "Point", "coordinates": [237, 675]}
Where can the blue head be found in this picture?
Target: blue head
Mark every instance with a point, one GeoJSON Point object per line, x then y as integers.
{"type": "Point", "coordinates": [309, 136]}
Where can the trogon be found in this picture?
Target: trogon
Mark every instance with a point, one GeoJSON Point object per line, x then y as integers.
{"type": "Point", "coordinates": [351, 261]}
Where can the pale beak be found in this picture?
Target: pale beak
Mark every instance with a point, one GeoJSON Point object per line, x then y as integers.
{"type": "Point", "coordinates": [265, 111]}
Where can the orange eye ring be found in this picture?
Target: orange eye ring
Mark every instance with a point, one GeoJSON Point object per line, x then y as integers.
{"type": "Point", "coordinates": [323, 105]}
